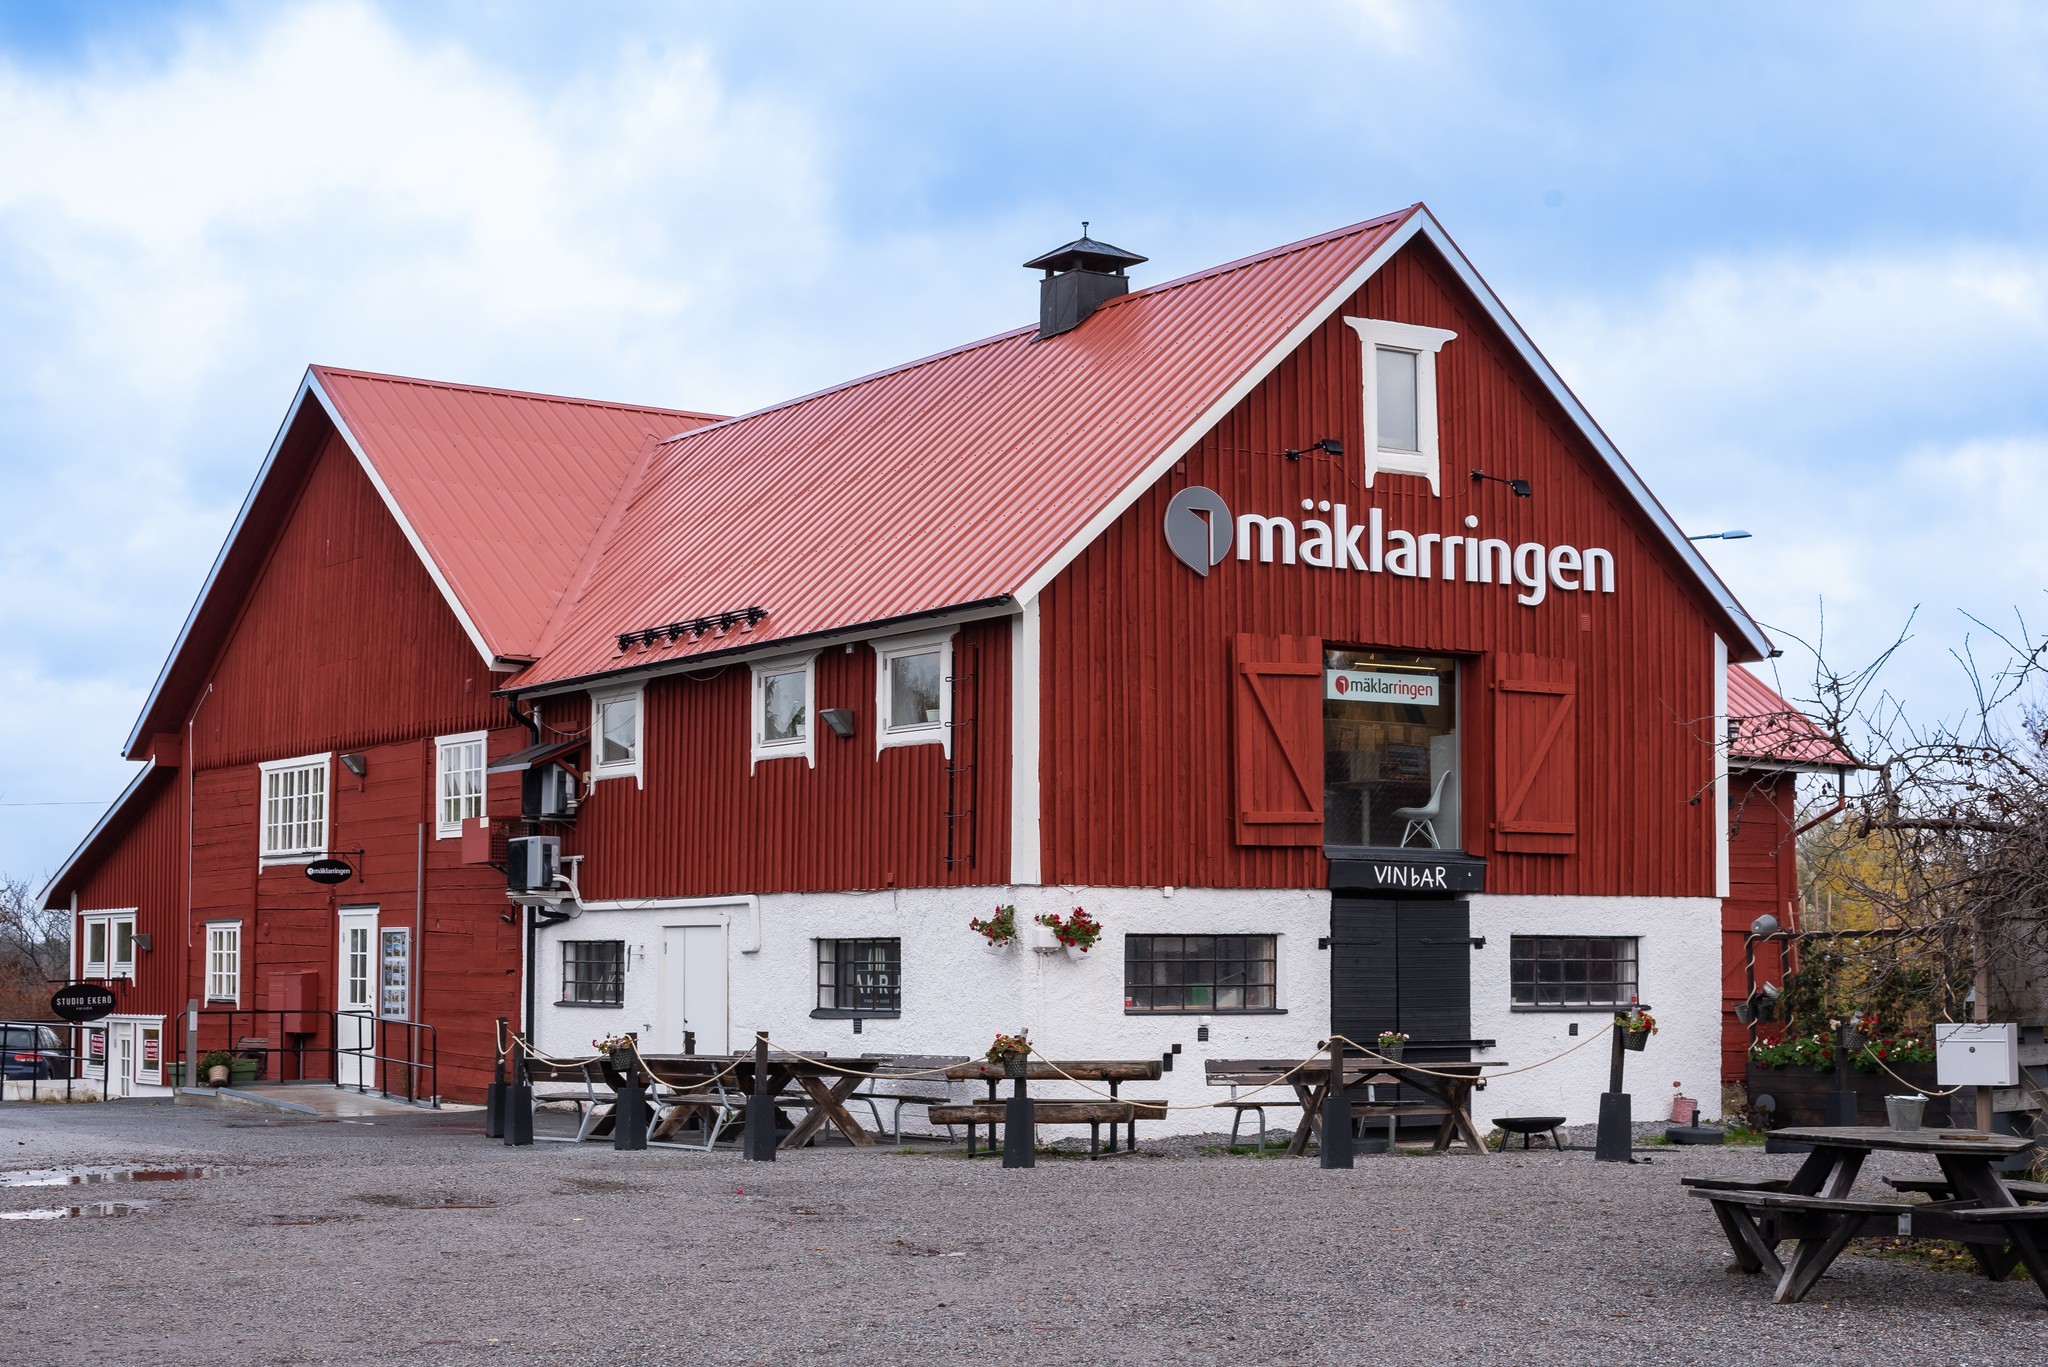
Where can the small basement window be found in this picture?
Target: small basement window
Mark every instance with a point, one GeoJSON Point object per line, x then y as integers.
{"type": "Point", "coordinates": [593, 972]}
{"type": "Point", "coordinates": [295, 808]}
{"type": "Point", "coordinates": [459, 779]}
{"type": "Point", "coordinates": [860, 977]}
{"type": "Point", "coordinates": [1200, 973]}
{"type": "Point", "coordinates": [1563, 972]}
{"type": "Point", "coordinates": [785, 700]}
{"type": "Point", "coordinates": [615, 734]}
{"type": "Point", "coordinates": [913, 703]}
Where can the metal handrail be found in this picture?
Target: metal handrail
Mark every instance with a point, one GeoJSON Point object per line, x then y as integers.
{"type": "Point", "coordinates": [74, 1062]}
{"type": "Point", "coordinates": [298, 1050]}
{"type": "Point", "coordinates": [414, 1062]}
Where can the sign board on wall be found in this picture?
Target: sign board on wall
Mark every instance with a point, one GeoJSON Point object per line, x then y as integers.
{"type": "Point", "coordinates": [1371, 685]}
{"type": "Point", "coordinates": [81, 1002]}
{"type": "Point", "coordinates": [394, 973]}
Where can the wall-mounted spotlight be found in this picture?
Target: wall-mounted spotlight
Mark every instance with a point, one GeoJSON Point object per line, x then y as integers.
{"type": "Point", "coordinates": [1329, 446]}
{"type": "Point", "coordinates": [1720, 536]}
{"type": "Point", "coordinates": [355, 764]}
{"type": "Point", "coordinates": [840, 719]}
{"type": "Point", "coordinates": [1521, 487]}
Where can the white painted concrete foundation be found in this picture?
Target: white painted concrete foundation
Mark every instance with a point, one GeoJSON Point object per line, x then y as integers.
{"type": "Point", "coordinates": [957, 994]}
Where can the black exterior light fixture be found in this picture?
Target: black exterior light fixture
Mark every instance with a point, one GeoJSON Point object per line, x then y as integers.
{"type": "Point", "coordinates": [840, 719]}
{"type": "Point", "coordinates": [1329, 446]}
{"type": "Point", "coordinates": [355, 764]}
{"type": "Point", "coordinates": [1737, 535]}
{"type": "Point", "coordinates": [1521, 487]}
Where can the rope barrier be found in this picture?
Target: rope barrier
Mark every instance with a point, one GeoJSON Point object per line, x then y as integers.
{"type": "Point", "coordinates": [1866, 1049]}
{"type": "Point", "coordinates": [1490, 1077]}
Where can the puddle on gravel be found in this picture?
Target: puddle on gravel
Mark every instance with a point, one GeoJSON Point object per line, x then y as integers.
{"type": "Point", "coordinates": [82, 1177]}
{"type": "Point", "coordinates": [425, 1203]}
{"type": "Point", "coordinates": [88, 1210]}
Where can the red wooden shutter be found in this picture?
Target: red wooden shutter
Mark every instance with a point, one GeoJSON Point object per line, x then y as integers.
{"type": "Point", "coordinates": [1277, 734]}
{"type": "Point", "coordinates": [1535, 746]}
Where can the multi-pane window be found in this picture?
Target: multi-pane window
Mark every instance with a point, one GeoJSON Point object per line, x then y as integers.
{"type": "Point", "coordinates": [295, 807]}
{"type": "Point", "coordinates": [616, 734]}
{"type": "Point", "coordinates": [594, 972]}
{"type": "Point", "coordinates": [114, 932]}
{"type": "Point", "coordinates": [913, 703]}
{"type": "Point", "coordinates": [782, 709]}
{"type": "Point", "coordinates": [224, 961]}
{"type": "Point", "coordinates": [860, 975]}
{"type": "Point", "coordinates": [1200, 973]}
{"type": "Point", "coordinates": [1572, 970]}
{"type": "Point", "coordinates": [460, 766]}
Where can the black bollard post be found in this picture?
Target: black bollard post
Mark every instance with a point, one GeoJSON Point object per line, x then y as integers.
{"type": "Point", "coordinates": [630, 1128]}
{"type": "Point", "coordinates": [760, 1141]}
{"type": "Point", "coordinates": [519, 1101]}
{"type": "Point", "coordinates": [494, 1095]}
{"type": "Point", "coordinates": [1020, 1129]}
{"type": "Point", "coordinates": [1841, 1102]}
{"type": "Point", "coordinates": [1336, 1150]}
{"type": "Point", "coordinates": [1616, 1135]}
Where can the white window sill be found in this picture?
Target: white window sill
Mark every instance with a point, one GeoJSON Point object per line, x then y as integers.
{"type": "Point", "coordinates": [599, 773]}
{"type": "Point", "coordinates": [932, 734]}
{"type": "Point", "coordinates": [762, 756]}
{"type": "Point", "coordinates": [305, 857]}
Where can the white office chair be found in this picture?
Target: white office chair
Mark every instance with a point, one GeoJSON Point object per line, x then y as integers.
{"type": "Point", "coordinates": [1423, 818]}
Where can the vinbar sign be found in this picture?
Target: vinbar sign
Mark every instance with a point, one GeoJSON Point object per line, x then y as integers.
{"type": "Point", "coordinates": [1200, 532]}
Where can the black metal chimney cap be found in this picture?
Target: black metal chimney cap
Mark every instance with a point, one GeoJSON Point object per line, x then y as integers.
{"type": "Point", "coordinates": [1084, 253]}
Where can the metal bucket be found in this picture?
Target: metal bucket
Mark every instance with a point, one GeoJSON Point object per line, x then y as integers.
{"type": "Point", "coordinates": [1904, 1111]}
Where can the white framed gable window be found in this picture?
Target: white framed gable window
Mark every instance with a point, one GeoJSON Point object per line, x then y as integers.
{"type": "Point", "coordinates": [224, 962]}
{"type": "Point", "coordinates": [784, 707]}
{"type": "Point", "coordinates": [616, 733]}
{"type": "Point", "coordinates": [107, 944]}
{"type": "Point", "coordinates": [295, 809]}
{"type": "Point", "coordinates": [458, 781]}
{"type": "Point", "coordinates": [1400, 399]}
{"type": "Point", "coordinates": [913, 692]}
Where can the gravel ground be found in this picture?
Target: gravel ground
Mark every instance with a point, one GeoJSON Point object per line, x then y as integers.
{"type": "Point", "coordinates": [414, 1240]}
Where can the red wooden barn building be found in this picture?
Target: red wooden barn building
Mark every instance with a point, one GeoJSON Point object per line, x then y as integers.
{"type": "Point", "coordinates": [1291, 618]}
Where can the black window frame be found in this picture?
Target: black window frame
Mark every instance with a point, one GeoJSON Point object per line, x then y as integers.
{"type": "Point", "coordinates": [572, 980]}
{"type": "Point", "coordinates": [1527, 990]}
{"type": "Point", "coordinates": [1144, 999]}
{"type": "Point", "coordinates": [841, 993]}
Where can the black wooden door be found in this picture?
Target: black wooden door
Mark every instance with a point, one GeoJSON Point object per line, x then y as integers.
{"type": "Point", "coordinates": [1403, 965]}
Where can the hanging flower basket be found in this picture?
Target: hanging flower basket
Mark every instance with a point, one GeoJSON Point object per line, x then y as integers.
{"type": "Point", "coordinates": [999, 931]}
{"type": "Point", "coordinates": [1076, 933]}
{"type": "Point", "coordinates": [1636, 1026]}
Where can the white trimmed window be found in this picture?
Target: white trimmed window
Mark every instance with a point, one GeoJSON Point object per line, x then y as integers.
{"type": "Point", "coordinates": [295, 808]}
{"type": "Point", "coordinates": [108, 933]}
{"type": "Point", "coordinates": [224, 962]}
{"type": "Point", "coordinates": [913, 693]}
{"type": "Point", "coordinates": [1400, 399]}
{"type": "Point", "coordinates": [458, 781]}
{"type": "Point", "coordinates": [785, 702]}
{"type": "Point", "coordinates": [615, 734]}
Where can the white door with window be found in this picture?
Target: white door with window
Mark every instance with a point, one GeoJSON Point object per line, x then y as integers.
{"type": "Point", "coordinates": [692, 988]}
{"type": "Point", "coordinates": [121, 1059]}
{"type": "Point", "coordinates": [355, 1007]}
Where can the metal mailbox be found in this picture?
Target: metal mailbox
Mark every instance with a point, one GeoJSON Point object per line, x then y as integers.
{"type": "Point", "coordinates": [1977, 1054]}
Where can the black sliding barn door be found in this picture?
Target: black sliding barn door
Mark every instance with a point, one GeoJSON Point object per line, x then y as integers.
{"type": "Point", "coordinates": [1403, 966]}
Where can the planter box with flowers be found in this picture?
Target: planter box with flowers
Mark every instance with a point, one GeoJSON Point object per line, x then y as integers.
{"type": "Point", "coordinates": [1075, 933]}
{"type": "Point", "coordinates": [998, 932]}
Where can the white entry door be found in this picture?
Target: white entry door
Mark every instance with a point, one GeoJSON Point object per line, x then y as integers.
{"type": "Point", "coordinates": [692, 988]}
{"type": "Point", "coordinates": [121, 1060]}
{"type": "Point", "coordinates": [355, 1020]}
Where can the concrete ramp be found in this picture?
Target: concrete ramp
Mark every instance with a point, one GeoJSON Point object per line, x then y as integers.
{"type": "Point", "coordinates": [313, 1099]}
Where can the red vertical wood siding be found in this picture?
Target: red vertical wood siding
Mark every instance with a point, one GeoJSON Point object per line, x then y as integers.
{"type": "Point", "coordinates": [146, 871]}
{"type": "Point", "coordinates": [1135, 770]}
{"type": "Point", "coordinates": [1763, 878]}
{"type": "Point", "coordinates": [704, 825]}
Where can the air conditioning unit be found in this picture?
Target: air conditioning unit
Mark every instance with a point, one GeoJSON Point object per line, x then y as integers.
{"type": "Point", "coordinates": [532, 862]}
{"type": "Point", "coordinates": [548, 792]}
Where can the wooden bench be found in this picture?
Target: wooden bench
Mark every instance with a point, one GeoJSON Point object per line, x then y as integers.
{"type": "Point", "coordinates": [1274, 1093]}
{"type": "Point", "coordinates": [2025, 1229]}
{"type": "Point", "coordinates": [690, 1090]}
{"type": "Point", "coordinates": [1823, 1225]}
{"type": "Point", "coordinates": [1092, 1113]}
{"type": "Point", "coordinates": [593, 1112]}
{"type": "Point", "coordinates": [919, 1070]}
{"type": "Point", "coordinates": [2026, 1193]}
{"type": "Point", "coordinates": [259, 1045]}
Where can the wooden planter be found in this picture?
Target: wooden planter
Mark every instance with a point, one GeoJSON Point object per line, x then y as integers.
{"type": "Point", "coordinates": [1802, 1094]}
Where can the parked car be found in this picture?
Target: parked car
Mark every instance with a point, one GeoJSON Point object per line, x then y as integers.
{"type": "Point", "coordinates": [31, 1051]}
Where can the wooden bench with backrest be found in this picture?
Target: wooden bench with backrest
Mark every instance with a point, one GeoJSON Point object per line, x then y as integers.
{"type": "Point", "coordinates": [922, 1078]}
{"type": "Point", "coordinates": [1093, 1113]}
{"type": "Point", "coordinates": [577, 1084]}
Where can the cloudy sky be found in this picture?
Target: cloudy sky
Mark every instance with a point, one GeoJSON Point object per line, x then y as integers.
{"type": "Point", "coordinates": [1794, 258]}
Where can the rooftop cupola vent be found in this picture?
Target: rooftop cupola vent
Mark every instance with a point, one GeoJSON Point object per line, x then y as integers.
{"type": "Point", "coordinates": [1079, 278]}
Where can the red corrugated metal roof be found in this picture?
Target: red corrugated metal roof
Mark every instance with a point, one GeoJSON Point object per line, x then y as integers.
{"type": "Point", "coordinates": [948, 481]}
{"type": "Point", "coordinates": [1766, 727]}
{"type": "Point", "coordinates": [504, 491]}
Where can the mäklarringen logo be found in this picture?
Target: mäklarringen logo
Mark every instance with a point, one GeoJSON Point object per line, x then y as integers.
{"type": "Point", "coordinates": [1200, 532]}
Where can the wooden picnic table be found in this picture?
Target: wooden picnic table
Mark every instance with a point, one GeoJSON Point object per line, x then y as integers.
{"type": "Point", "coordinates": [1093, 1111]}
{"type": "Point", "coordinates": [1449, 1085]}
{"type": "Point", "coordinates": [1816, 1210]}
{"type": "Point", "coordinates": [825, 1082]}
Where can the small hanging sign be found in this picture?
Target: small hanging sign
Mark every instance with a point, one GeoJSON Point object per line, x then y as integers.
{"type": "Point", "coordinates": [81, 1002]}
{"type": "Point", "coordinates": [330, 871]}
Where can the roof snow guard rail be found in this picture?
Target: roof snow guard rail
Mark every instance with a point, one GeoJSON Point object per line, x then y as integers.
{"type": "Point", "coordinates": [695, 627]}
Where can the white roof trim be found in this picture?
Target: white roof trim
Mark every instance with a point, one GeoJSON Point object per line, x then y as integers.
{"type": "Point", "coordinates": [419, 547]}
{"type": "Point", "coordinates": [71, 860]}
{"type": "Point", "coordinates": [307, 385]}
{"type": "Point", "coordinates": [1420, 221]}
